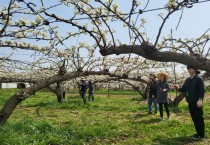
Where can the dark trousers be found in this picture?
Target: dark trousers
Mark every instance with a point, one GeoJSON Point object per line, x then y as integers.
{"type": "Point", "coordinates": [64, 94]}
{"type": "Point", "coordinates": [197, 117]}
{"type": "Point", "coordinates": [83, 97]}
{"type": "Point", "coordinates": [91, 94]}
{"type": "Point", "coordinates": [161, 109]}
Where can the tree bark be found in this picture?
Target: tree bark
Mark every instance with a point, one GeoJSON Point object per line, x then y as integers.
{"type": "Point", "coordinates": [176, 100]}
{"type": "Point", "coordinates": [12, 80]}
{"type": "Point", "coordinates": [58, 89]}
{"type": "Point", "coordinates": [8, 108]}
{"type": "Point", "coordinates": [149, 52]}
{"type": "Point", "coordinates": [146, 91]}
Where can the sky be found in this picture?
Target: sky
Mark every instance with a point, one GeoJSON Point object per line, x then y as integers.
{"type": "Point", "coordinates": [195, 21]}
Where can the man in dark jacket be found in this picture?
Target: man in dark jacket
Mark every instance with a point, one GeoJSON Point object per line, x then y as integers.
{"type": "Point", "coordinates": [83, 89]}
{"type": "Point", "coordinates": [90, 90]}
{"type": "Point", "coordinates": [193, 88]}
{"type": "Point", "coordinates": [152, 93]}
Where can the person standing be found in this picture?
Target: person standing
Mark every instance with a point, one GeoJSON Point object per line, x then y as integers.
{"type": "Point", "coordinates": [162, 94]}
{"type": "Point", "coordinates": [193, 88]}
{"type": "Point", "coordinates": [83, 89]}
{"type": "Point", "coordinates": [152, 93]}
{"type": "Point", "coordinates": [90, 90]}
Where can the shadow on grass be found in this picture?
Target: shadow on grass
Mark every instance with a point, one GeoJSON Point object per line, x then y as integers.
{"type": "Point", "coordinates": [40, 104]}
{"type": "Point", "coordinates": [43, 104]}
{"type": "Point", "coordinates": [138, 99]}
{"type": "Point", "coordinates": [176, 141]}
{"type": "Point", "coordinates": [106, 108]}
{"type": "Point", "coordinates": [139, 115]}
{"type": "Point", "coordinates": [67, 101]}
{"type": "Point", "coordinates": [149, 121]}
{"type": "Point", "coordinates": [175, 110]}
{"type": "Point", "coordinates": [77, 101]}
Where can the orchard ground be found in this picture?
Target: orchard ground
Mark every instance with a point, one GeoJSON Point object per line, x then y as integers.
{"type": "Point", "coordinates": [111, 119]}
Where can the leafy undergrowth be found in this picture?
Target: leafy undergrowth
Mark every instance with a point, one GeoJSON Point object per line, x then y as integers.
{"type": "Point", "coordinates": [40, 120]}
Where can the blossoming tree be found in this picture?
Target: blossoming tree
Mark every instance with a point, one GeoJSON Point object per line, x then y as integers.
{"type": "Point", "coordinates": [62, 40]}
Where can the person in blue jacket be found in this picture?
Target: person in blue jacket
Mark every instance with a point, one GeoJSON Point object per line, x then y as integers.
{"type": "Point", "coordinates": [193, 88]}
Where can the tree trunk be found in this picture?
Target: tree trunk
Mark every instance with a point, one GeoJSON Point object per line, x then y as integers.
{"type": "Point", "coordinates": [59, 90]}
{"type": "Point", "coordinates": [9, 107]}
{"type": "Point", "coordinates": [176, 100]}
{"type": "Point", "coordinates": [146, 91]}
{"type": "Point", "coordinates": [59, 98]}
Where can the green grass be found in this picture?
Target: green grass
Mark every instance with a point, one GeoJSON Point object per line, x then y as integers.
{"type": "Point", "coordinates": [109, 92]}
{"type": "Point", "coordinates": [116, 119]}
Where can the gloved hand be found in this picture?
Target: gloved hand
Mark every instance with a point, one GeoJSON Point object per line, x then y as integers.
{"type": "Point", "coordinates": [199, 103]}
{"type": "Point", "coordinates": [164, 90]}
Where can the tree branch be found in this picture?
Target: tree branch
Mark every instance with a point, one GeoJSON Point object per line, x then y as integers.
{"type": "Point", "coordinates": [149, 52]}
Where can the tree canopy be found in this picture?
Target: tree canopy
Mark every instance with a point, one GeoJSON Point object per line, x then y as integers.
{"type": "Point", "coordinates": [48, 42]}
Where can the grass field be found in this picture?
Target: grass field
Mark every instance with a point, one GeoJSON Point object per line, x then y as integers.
{"type": "Point", "coordinates": [114, 119]}
{"type": "Point", "coordinates": [110, 92]}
